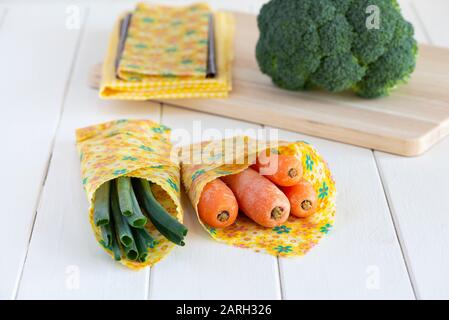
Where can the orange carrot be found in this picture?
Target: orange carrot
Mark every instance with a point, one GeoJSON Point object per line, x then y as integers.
{"type": "Point", "coordinates": [283, 170]}
{"type": "Point", "coordinates": [217, 206]}
{"type": "Point", "coordinates": [303, 199]}
{"type": "Point", "coordinates": [259, 198]}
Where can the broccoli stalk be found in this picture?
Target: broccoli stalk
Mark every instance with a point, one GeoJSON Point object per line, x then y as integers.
{"type": "Point", "coordinates": [326, 44]}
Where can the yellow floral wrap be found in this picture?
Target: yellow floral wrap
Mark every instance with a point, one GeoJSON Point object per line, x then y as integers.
{"type": "Point", "coordinates": [166, 40]}
{"type": "Point", "coordinates": [134, 148]}
{"type": "Point", "coordinates": [296, 236]}
{"type": "Point", "coordinates": [139, 87]}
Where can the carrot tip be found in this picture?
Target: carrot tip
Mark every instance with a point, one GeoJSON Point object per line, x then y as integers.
{"type": "Point", "coordinates": [276, 213]}
{"type": "Point", "coordinates": [223, 216]}
{"type": "Point", "coordinates": [306, 205]}
{"type": "Point", "coordinates": [292, 173]}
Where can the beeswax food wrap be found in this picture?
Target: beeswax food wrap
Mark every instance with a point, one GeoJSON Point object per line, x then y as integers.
{"type": "Point", "coordinates": [143, 83]}
{"type": "Point", "coordinates": [166, 40]}
{"type": "Point", "coordinates": [134, 148]}
{"type": "Point", "coordinates": [296, 236]}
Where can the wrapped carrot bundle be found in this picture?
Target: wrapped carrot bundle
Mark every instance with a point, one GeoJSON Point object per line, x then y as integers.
{"type": "Point", "coordinates": [270, 219]}
{"type": "Point", "coordinates": [133, 188]}
{"type": "Point", "coordinates": [258, 198]}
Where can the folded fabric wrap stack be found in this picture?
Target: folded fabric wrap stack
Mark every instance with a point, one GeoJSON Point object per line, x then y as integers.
{"type": "Point", "coordinates": [161, 52]}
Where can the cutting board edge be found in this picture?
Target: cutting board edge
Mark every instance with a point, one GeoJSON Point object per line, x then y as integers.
{"type": "Point", "coordinates": [399, 144]}
{"type": "Point", "coordinates": [408, 147]}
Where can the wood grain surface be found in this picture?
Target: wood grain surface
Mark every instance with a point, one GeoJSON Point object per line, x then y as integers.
{"type": "Point", "coordinates": [408, 123]}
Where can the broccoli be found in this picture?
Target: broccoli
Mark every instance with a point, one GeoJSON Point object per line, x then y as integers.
{"type": "Point", "coordinates": [326, 44]}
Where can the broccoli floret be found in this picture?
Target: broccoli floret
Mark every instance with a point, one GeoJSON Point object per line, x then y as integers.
{"type": "Point", "coordinates": [326, 44]}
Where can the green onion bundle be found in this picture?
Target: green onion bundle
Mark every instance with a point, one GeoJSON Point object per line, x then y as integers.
{"type": "Point", "coordinates": [122, 208]}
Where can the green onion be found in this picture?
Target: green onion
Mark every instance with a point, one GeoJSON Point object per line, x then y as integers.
{"type": "Point", "coordinates": [115, 247]}
{"type": "Point", "coordinates": [167, 233]}
{"type": "Point", "coordinates": [137, 219]}
{"type": "Point", "coordinates": [131, 252]}
{"type": "Point", "coordinates": [143, 233]}
{"type": "Point", "coordinates": [102, 205]}
{"type": "Point", "coordinates": [167, 225]}
{"type": "Point", "coordinates": [124, 196]}
{"type": "Point", "coordinates": [122, 228]}
{"type": "Point", "coordinates": [106, 234]}
{"type": "Point", "coordinates": [141, 245]}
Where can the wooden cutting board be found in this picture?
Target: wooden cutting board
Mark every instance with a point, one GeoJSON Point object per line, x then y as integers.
{"type": "Point", "coordinates": [409, 122]}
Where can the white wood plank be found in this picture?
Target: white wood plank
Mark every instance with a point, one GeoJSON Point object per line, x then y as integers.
{"type": "Point", "coordinates": [432, 18]}
{"type": "Point", "coordinates": [418, 188]}
{"type": "Point", "coordinates": [3, 11]}
{"type": "Point", "coordinates": [32, 88]}
{"type": "Point", "coordinates": [410, 14]}
{"type": "Point", "coordinates": [204, 268]}
{"type": "Point", "coordinates": [63, 249]}
{"type": "Point", "coordinates": [361, 257]}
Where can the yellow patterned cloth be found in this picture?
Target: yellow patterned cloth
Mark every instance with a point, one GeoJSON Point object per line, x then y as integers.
{"type": "Point", "coordinates": [296, 236]}
{"type": "Point", "coordinates": [134, 148]}
{"type": "Point", "coordinates": [164, 80]}
{"type": "Point", "coordinates": [171, 41]}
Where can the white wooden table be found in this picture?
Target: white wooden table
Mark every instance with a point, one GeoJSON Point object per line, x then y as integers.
{"type": "Point", "coordinates": [391, 239]}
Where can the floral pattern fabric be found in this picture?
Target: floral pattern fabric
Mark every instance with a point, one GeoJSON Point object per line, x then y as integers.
{"type": "Point", "coordinates": [166, 41]}
{"type": "Point", "coordinates": [134, 148]}
{"type": "Point", "coordinates": [296, 236]}
{"type": "Point", "coordinates": [142, 87]}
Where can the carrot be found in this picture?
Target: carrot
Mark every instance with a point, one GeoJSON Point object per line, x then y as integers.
{"type": "Point", "coordinates": [217, 206]}
{"type": "Point", "coordinates": [259, 198]}
{"type": "Point", "coordinates": [283, 170]}
{"type": "Point", "coordinates": [303, 199]}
